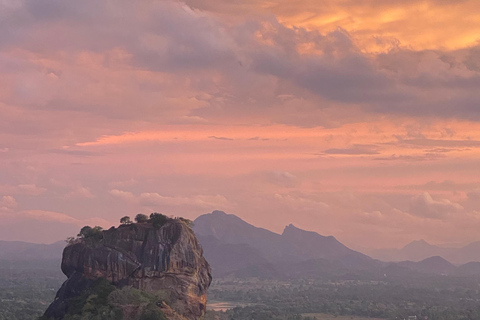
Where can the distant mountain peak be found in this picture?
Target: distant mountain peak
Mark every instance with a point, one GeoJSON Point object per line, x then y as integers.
{"type": "Point", "coordinates": [291, 230]}
{"type": "Point", "coordinates": [218, 212]}
{"type": "Point", "coordinates": [435, 259]}
{"type": "Point", "coordinates": [291, 227]}
{"type": "Point", "coordinates": [294, 244]}
{"type": "Point", "coordinates": [418, 244]}
{"type": "Point", "coordinates": [436, 263]}
{"type": "Point", "coordinates": [420, 241]}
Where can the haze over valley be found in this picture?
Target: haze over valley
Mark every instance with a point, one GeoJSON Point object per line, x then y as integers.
{"type": "Point", "coordinates": [357, 119]}
{"type": "Point", "coordinates": [244, 257]}
{"type": "Point", "coordinates": [283, 160]}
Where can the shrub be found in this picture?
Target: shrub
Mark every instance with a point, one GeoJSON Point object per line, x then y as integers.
{"type": "Point", "coordinates": [152, 312]}
{"type": "Point", "coordinates": [163, 296]}
{"type": "Point", "coordinates": [158, 219]}
{"type": "Point", "coordinates": [89, 232]}
{"type": "Point", "coordinates": [125, 220]}
{"type": "Point", "coordinates": [129, 295]}
{"type": "Point", "coordinates": [141, 218]}
{"type": "Point", "coordinates": [93, 300]}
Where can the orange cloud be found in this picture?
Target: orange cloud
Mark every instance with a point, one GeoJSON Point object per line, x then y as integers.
{"type": "Point", "coordinates": [375, 25]}
{"type": "Point", "coordinates": [329, 114]}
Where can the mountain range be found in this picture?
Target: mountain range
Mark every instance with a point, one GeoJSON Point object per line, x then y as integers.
{"type": "Point", "coordinates": [293, 243]}
{"type": "Point", "coordinates": [19, 250]}
{"type": "Point", "coordinates": [420, 249]}
{"type": "Point", "coordinates": [233, 245]}
{"type": "Point", "coordinates": [236, 248]}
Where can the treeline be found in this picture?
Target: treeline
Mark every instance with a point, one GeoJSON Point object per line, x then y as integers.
{"type": "Point", "coordinates": [273, 313]}
{"type": "Point", "coordinates": [27, 288]}
{"type": "Point", "coordinates": [94, 234]}
{"type": "Point", "coordinates": [375, 299]}
{"type": "Point", "coordinates": [104, 301]}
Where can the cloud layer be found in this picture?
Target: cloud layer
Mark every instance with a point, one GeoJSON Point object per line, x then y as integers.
{"type": "Point", "coordinates": [355, 118]}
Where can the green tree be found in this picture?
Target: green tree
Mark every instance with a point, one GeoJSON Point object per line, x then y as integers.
{"type": "Point", "coordinates": [158, 219]}
{"type": "Point", "coordinates": [152, 312]}
{"type": "Point", "coordinates": [125, 220]}
{"type": "Point", "coordinates": [85, 232]}
{"type": "Point", "coordinates": [140, 218]}
{"type": "Point", "coordinates": [89, 232]}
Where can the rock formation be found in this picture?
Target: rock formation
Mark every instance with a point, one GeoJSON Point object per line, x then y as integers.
{"type": "Point", "coordinates": [149, 258]}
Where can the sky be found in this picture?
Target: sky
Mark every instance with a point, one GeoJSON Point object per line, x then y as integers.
{"type": "Point", "coordinates": [353, 118]}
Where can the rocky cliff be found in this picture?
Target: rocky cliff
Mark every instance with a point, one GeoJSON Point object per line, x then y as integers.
{"type": "Point", "coordinates": [140, 255]}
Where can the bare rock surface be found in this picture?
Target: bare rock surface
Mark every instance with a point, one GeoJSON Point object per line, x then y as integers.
{"type": "Point", "coordinates": [167, 258]}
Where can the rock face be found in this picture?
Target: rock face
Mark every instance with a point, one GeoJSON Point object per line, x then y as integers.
{"type": "Point", "coordinates": [168, 258]}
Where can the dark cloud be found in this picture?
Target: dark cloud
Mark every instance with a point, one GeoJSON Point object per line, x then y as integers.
{"type": "Point", "coordinates": [445, 150]}
{"type": "Point", "coordinates": [417, 157]}
{"type": "Point", "coordinates": [256, 60]}
{"type": "Point", "coordinates": [58, 10]}
{"type": "Point", "coordinates": [162, 36]}
{"type": "Point", "coordinates": [220, 138]}
{"type": "Point", "coordinates": [83, 71]}
{"type": "Point", "coordinates": [358, 149]}
{"type": "Point", "coordinates": [341, 73]}
{"type": "Point", "coordinates": [440, 83]}
{"type": "Point", "coordinates": [424, 142]}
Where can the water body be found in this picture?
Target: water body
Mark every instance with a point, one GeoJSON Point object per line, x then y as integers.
{"type": "Point", "coordinates": [225, 305]}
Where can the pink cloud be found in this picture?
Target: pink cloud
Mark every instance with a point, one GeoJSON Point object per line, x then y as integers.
{"type": "Point", "coordinates": [335, 121]}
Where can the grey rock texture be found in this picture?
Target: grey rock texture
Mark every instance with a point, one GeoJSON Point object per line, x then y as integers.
{"type": "Point", "coordinates": [139, 255]}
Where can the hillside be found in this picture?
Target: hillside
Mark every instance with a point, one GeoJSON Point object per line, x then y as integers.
{"type": "Point", "coordinates": [420, 249]}
{"type": "Point", "coordinates": [18, 250]}
{"type": "Point", "coordinates": [282, 254]}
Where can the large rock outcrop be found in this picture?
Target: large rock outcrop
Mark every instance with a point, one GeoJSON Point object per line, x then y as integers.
{"type": "Point", "coordinates": [167, 258]}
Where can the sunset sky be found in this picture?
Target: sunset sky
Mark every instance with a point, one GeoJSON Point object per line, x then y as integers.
{"type": "Point", "coordinates": [353, 118]}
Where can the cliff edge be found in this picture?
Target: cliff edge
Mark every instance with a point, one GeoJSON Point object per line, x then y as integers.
{"type": "Point", "coordinates": [144, 256]}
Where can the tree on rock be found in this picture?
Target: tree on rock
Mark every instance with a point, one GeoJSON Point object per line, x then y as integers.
{"type": "Point", "coordinates": [158, 219]}
{"type": "Point", "coordinates": [141, 218]}
{"type": "Point", "coordinates": [89, 232]}
{"type": "Point", "coordinates": [125, 220]}
{"type": "Point", "coordinates": [85, 232]}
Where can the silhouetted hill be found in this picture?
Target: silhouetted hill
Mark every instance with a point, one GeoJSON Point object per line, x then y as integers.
{"type": "Point", "coordinates": [229, 259]}
{"type": "Point", "coordinates": [469, 269]}
{"type": "Point", "coordinates": [468, 253]}
{"type": "Point", "coordinates": [414, 251]}
{"type": "Point", "coordinates": [237, 248]}
{"type": "Point", "coordinates": [420, 249]}
{"type": "Point", "coordinates": [20, 251]}
{"type": "Point", "coordinates": [313, 245]}
{"type": "Point", "coordinates": [230, 229]}
{"type": "Point", "coordinates": [436, 265]}
{"type": "Point", "coordinates": [252, 249]}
